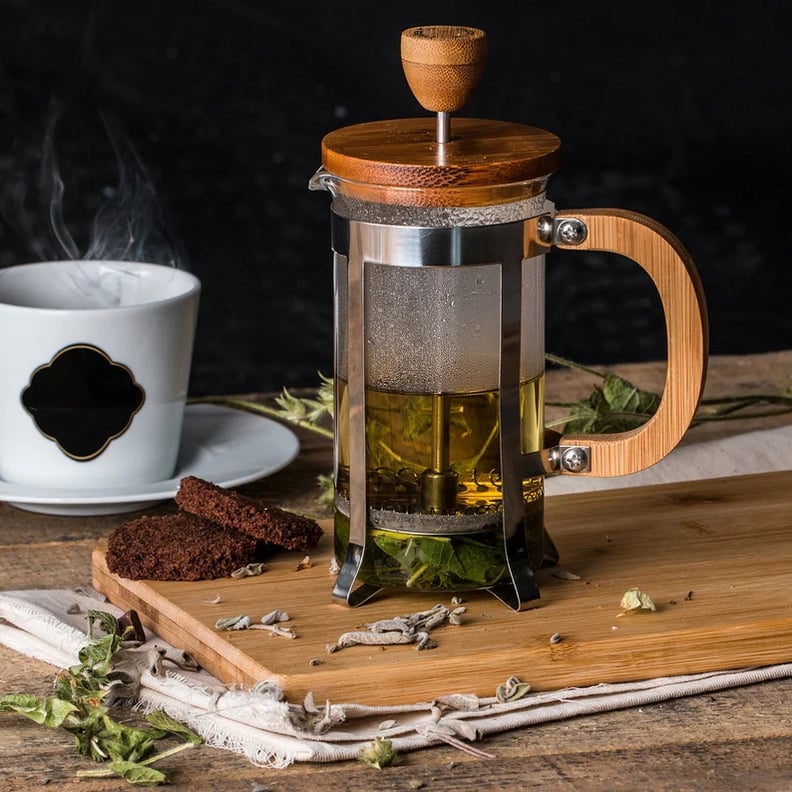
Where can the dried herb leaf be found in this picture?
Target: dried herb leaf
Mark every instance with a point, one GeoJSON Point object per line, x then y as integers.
{"type": "Point", "coordinates": [635, 599]}
{"type": "Point", "coordinates": [459, 702]}
{"type": "Point", "coordinates": [305, 410]}
{"type": "Point", "coordinates": [378, 754]}
{"type": "Point", "coordinates": [564, 574]}
{"type": "Point", "coordinates": [326, 490]}
{"type": "Point", "coordinates": [233, 623]}
{"type": "Point", "coordinates": [511, 690]}
{"type": "Point", "coordinates": [250, 570]}
{"type": "Point", "coordinates": [275, 616]}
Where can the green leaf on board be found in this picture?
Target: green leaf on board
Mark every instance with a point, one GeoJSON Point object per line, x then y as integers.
{"type": "Point", "coordinates": [160, 720]}
{"type": "Point", "coordinates": [50, 712]}
{"type": "Point", "coordinates": [140, 775]}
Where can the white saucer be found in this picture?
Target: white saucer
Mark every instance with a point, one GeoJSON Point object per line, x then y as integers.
{"type": "Point", "coordinates": [219, 444]}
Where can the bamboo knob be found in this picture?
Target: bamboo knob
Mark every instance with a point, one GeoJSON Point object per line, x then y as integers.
{"type": "Point", "coordinates": [443, 64]}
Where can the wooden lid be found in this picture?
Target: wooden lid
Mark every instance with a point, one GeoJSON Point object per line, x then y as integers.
{"type": "Point", "coordinates": [480, 158]}
{"type": "Point", "coordinates": [477, 163]}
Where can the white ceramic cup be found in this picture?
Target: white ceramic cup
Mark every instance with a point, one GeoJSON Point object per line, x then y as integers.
{"type": "Point", "coordinates": [94, 366]}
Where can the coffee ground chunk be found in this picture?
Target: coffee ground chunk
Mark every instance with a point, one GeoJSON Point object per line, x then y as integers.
{"type": "Point", "coordinates": [233, 510]}
{"type": "Point", "coordinates": [176, 547]}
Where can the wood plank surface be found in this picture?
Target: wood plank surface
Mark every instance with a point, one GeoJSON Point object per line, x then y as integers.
{"type": "Point", "coordinates": [714, 555]}
{"type": "Point", "coordinates": [738, 739]}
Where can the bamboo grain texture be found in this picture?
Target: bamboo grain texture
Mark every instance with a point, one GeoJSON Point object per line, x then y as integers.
{"type": "Point", "coordinates": [443, 64]}
{"type": "Point", "coordinates": [714, 555]}
{"type": "Point", "coordinates": [673, 273]}
{"type": "Point", "coordinates": [400, 162]}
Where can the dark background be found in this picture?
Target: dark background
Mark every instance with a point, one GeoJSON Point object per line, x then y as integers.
{"type": "Point", "coordinates": [680, 110]}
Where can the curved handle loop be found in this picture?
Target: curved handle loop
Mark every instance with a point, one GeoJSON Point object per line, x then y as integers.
{"type": "Point", "coordinates": [673, 273]}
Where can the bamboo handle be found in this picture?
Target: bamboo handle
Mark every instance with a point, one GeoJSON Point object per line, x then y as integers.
{"type": "Point", "coordinates": [443, 64]}
{"type": "Point", "coordinates": [674, 275]}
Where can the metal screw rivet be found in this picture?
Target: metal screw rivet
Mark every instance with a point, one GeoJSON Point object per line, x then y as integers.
{"type": "Point", "coordinates": [575, 459]}
{"type": "Point", "coordinates": [544, 228]}
{"type": "Point", "coordinates": [571, 231]}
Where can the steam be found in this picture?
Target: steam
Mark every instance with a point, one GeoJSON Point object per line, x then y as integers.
{"type": "Point", "coordinates": [128, 224]}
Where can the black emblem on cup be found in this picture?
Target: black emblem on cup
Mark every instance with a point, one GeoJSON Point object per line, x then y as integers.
{"type": "Point", "coordinates": [82, 400]}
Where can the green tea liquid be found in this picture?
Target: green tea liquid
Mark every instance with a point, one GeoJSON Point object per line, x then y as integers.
{"type": "Point", "coordinates": [461, 545]}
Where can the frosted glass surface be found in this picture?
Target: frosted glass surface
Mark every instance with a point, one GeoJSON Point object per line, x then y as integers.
{"type": "Point", "coordinates": [437, 329]}
{"type": "Point", "coordinates": [440, 216]}
{"type": "Point", "coordinates": [404, 211]}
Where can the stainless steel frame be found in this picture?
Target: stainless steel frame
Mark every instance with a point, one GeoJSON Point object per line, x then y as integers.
{"type": "Point", "coordinates": [357, 244]}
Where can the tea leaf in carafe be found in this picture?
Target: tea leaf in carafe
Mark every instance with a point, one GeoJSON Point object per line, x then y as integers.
{"type": "Point", "coordinates": [439, 554]}
{"type": "Point", "coordinates": [379, 453]}
{"type": "Point", "coordinates": [403, 549]}
{"type": "Point", "coordinates": [416, 416]}
{"type": "Point", "coordinates": [439, 561]}
{"type": "Point", "coordinates": [479, 563]}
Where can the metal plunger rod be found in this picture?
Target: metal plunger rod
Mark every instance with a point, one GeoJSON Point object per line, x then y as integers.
{"type": "Point", "coordinates": [439, 483]}
{"type": "Point", "coordinates": [440, 420]}
{"type": "Point", "coordinates": [443, 127]}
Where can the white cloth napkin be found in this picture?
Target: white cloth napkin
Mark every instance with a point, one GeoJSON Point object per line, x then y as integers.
{"type": "Point", "coordinates": [50, 626]}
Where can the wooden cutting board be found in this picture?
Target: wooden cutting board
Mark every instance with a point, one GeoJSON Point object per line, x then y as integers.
{"type": "Point", "coordinates": [716, 557]}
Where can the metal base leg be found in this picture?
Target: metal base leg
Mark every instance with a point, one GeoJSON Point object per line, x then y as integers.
{"type": "Point", "coordinates": [344, 591]}
{"type": "Point", "coordinates": [521, 586]}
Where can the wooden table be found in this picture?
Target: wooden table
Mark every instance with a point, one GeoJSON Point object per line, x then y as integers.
{"type": "Point", "coordinates": [735, 739]}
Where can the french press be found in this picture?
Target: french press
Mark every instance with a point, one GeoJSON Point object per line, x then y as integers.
{"type": "Point", "coordinates": [440, 228]}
